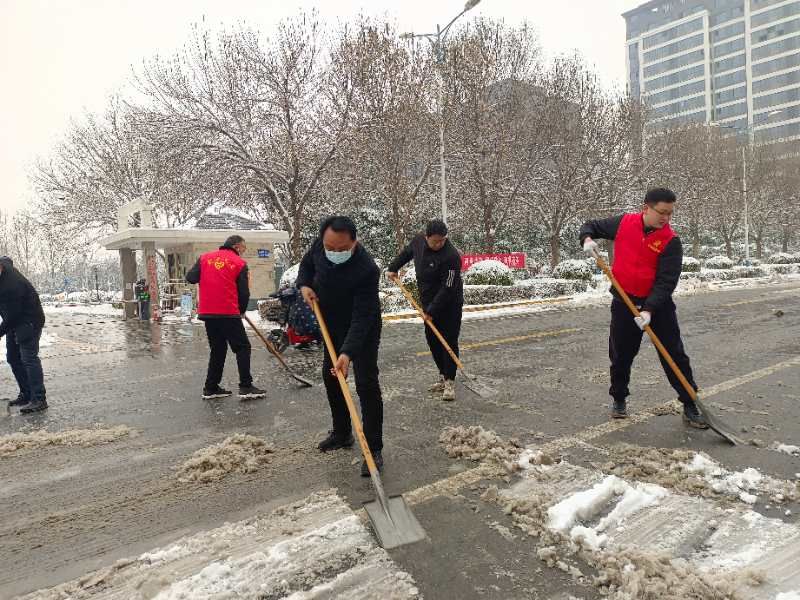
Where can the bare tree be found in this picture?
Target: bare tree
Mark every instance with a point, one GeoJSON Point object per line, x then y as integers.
{"type": "Point", "coordinates": [391, 149]}
{"type": "Point", "coordinates": [491, 108]}
{"type": "Point", "coordinates": [588, 146]}
{"type": "Point", "coordinates": [270, 118]}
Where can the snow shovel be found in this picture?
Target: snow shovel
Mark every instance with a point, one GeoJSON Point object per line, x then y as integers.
{"type": "Point", "coordinates": [713, 422]}
{"type": "Point", "coordinates": [471, 383]}
{"type": "Point", "coordinates": [394, 523]}
{"type": "Point", "coordinates": [272, 350]}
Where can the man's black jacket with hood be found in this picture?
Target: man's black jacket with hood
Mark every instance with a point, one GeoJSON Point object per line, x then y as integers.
{"type": "Point", "coordinates": [19, 301]}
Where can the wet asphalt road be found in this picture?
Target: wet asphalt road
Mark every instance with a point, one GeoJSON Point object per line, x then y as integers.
{"type": "Point", "coordinates": [67, 511]}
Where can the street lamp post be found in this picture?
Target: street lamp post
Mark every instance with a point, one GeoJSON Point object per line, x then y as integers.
{"type": "Point", "coordinates": [750, 145]}
{"type": "Point", "coordinates": [437, 39]}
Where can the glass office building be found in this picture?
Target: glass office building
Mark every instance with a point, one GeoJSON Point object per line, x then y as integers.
{"type": "Point", "coordinates": [733, 62]}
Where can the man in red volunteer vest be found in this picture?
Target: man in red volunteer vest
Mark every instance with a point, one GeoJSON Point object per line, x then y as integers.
{"type": "Point", "coordinates": [647, 263]}
{"type": "Point", "coordinates": [224, 294]}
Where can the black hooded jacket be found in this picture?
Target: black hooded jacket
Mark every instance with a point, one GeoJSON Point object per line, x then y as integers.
{"type": "Point", "coordinates": [348, 295]}
{"type": "Point", "coordinates": [441, 288]}
{"type": "Point", "coordinates": [19, 301]}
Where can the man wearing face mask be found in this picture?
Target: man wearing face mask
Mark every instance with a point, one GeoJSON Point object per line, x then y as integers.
{"type": "Point", "coordinates": [647, 264]}
{"type": "Point", "coordinates": [437, 264]}
{"type": "Point", "coordinates": [340, 274]}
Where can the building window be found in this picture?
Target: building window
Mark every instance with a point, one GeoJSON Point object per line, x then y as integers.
{"type": "Point", "coordinates": [674, 32]}
{"type": "Point", "coordinates": [784, 97]}
{"type": "Point", "coordinates": [729, 31]}
{"type": "Point", "coordinates": [730, 79]}
{"type": "Point", "coordinates": [675, 63]}
{"type": "Point", "coordinates": [779, 64]}
{"type": "Point", "coordinates": [775, 31]}
{"type": "Point", "coordinates": [679, 107]}
{"type": "Point", "coordinates": [779, 47]}
{"type": "Point", "coordinates": [734, 110]}
{"type": "Point", "coordinates": [775, 14]}
{"type": "Point", "coordinates": [730, 95]}
{"type": "Point", "coordinates": [674, 78]}
{"type": "Point", "coordinates": [776, 133]}
{"type": "Point", "coordinates": [726, 48]}
{"type": "Point", "coordinates": [779, 81]}
{"type": "Point", "coordinates": [679, 92]}
{"type": "Point", "coordinates": [687, 44]}
{"type": "Point", "coordinates": [728, 64]}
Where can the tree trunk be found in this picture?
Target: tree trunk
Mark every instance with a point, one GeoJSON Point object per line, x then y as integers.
{"type": "Point", "coordinates": [787, 232]}
{"type": "Point", "coordinates": [695, 240]}
{"type": "Point", "coordinates": [555, 249]}
{"type": "Point", "coordinates": [728, 248]}
{"type": "Point", "coordinates": [759, 246]}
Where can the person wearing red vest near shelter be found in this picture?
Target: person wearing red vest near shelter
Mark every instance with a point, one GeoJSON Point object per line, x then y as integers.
{"type": "Point", "coordinates": [647, 263]}
{"type": "Point", "coordinates": [224, 295]}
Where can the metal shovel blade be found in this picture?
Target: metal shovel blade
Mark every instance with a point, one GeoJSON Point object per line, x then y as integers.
{"type": "Point", "coordinates": [477, 386]}
{"type": "Point", "coordinates": [399, 527]}
{"type": "Point", "coordinates": [716, 425]}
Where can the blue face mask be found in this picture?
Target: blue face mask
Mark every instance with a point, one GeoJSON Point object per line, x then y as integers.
{"type": "Point", "coordinates": [338, 258]}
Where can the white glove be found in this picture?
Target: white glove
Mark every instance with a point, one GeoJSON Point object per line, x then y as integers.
{"type": "Point", "coordinates": [643, 320]}
{"type": "Point", "coordinates": [590, 247]}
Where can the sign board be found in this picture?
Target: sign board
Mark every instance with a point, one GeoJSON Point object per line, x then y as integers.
{"type": "Point", "coordinates": [263, 253]}
{"type": "Point", "coordinates": [513, 260]}
{"type": "Point", "coordinates": [186, 305]}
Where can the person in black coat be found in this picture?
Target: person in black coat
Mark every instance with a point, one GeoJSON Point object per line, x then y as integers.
{"type": "Point", "coordinates": [339, 273]}
{"type": "Point", "coordinates": [23, 321]}
{"type": "Point", "coordinates": [438, 268]}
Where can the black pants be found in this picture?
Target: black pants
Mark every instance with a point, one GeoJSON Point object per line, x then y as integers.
{"type": "Point", "coordinates": [22, 352]}
{"type": "Point", "coordinates": [624, 343]}
{"type": "Point", "coordinates": [365, 369]}
{"type": "Point", "coordinates": [221, 333]}
{"type": "Point", "coordinates": [449, 325]}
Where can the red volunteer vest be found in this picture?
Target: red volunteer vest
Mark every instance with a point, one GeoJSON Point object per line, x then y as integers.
{"type": "Point", "coordinates": [218, 292]}
{"type": "Point", "coordinates": [636, 254]}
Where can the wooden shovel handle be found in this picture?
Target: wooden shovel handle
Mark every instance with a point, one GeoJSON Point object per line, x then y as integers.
{"type": "Point", "coordinates": [348, 398]}
{"type": "Point", "coordinates": [653, 337]}
{"type": "Point", "coordinates": [429, 323]}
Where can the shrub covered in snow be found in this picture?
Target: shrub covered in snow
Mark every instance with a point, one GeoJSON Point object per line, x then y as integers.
{"type": "Point", "coordinates": [289, 277]}
{"type": "Point", "coordinates": [782, 269]}
{"type": "Point", "coordinates": [783, 258]}
{"type": "Point", "coordinates": [392, 300]}
{"type": "Point", "coordinates": [489, 272]}
{"type": "Point", "coordinates": [83, 297]}
{"type": "Point", "coordinates": [523, 290]}
{"type": "Point", "coordinates": [719, 262]}
{"type": "Point", "coordinates": [690, 265]}
{"type": "Point", "coordinates": [573, 269]}
{"type": "Point", "coordinates": [409, 280]}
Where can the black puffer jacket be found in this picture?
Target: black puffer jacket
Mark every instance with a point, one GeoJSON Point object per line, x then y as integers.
{"type": "Point", "coordinates": [438, 275]}
{"type": "Point", "coordinates": [348, 295]}
{"type": "Point", "coordinates": [19, 301]}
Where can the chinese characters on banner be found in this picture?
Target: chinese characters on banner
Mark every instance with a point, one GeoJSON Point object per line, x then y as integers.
{"type": "Point", "coordinates": [513, 260]}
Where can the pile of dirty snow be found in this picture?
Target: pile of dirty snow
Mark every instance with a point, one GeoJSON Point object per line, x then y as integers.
{"type": "Point", "coordinates": [745, 485]}
{"type": "Point", "coordinates": [239, 453]}
{"type": "Point", "coordinates": [477, 444]}
{"type": "Point", "coordinates": [694, 473]}
{"type": "Point", "coordinates": [15, 442]}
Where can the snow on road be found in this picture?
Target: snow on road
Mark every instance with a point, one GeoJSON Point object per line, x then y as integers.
{"type": "Point", "coordinates": [312, 549]}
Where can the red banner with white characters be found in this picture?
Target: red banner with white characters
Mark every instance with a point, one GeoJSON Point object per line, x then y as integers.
{"type": "Point", "coordinates": [513, 260]}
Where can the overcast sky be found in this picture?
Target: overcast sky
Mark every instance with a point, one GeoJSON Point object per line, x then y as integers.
{"type": "Point", "coordinates": [59, 57]}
